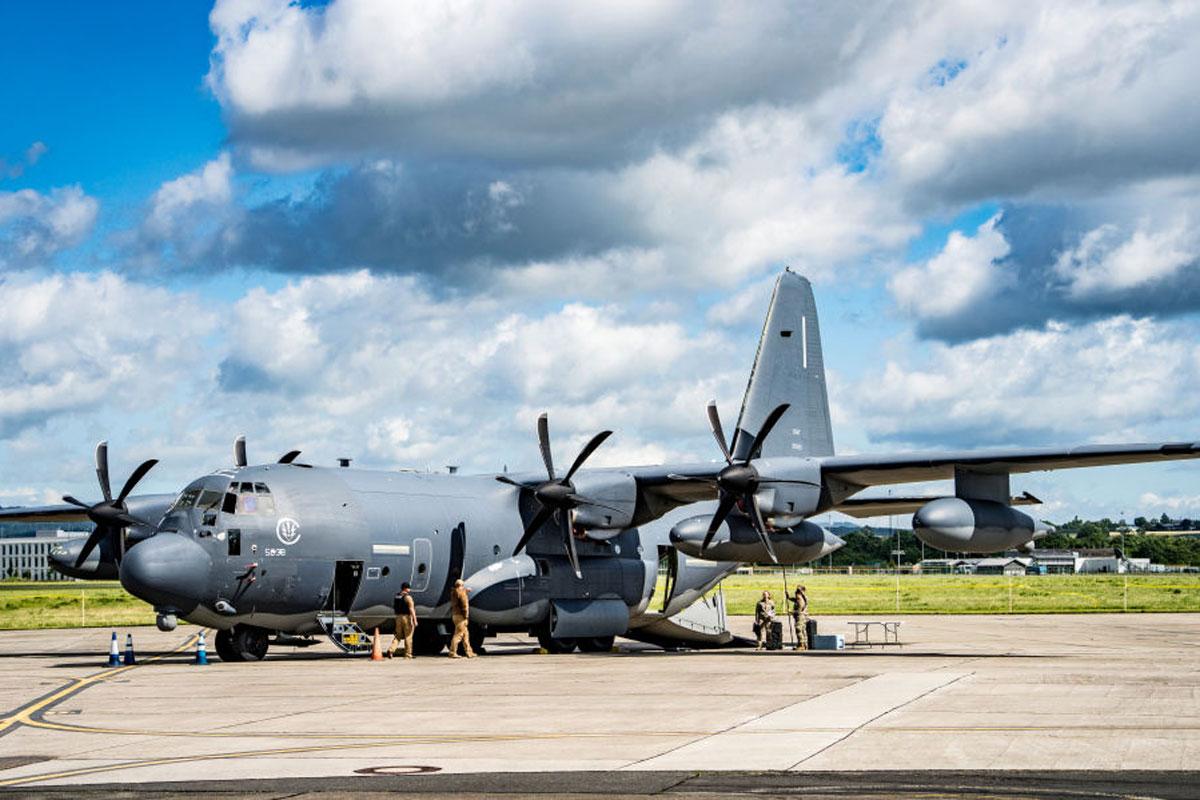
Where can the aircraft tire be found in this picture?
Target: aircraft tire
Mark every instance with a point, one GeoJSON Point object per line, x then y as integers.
{"type": "Point", "coordinates": [477, 635]}
{"type": "Point", "coordinates": [596, 644]}
{"type": "Point", "coordinates": [428, 640]}
{"type": "Point", "coordinates": [556, 646]}
{"type": "Point", "coordinates": [224, 644]}
{"type": "Point", "coordinates": [250, 642]}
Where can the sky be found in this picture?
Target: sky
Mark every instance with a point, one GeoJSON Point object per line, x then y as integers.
{"type": "Point", "coordinates": [397, 231]}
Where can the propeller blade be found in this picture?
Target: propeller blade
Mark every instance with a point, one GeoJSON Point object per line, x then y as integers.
{"type": "Point", "coordinates": [102, 469]}
{"type": "Point", "coordinates": [137, 475]}
{"type": "Point", "coordinates": [714, 422]}
{"type": "Point", "coordinates": [69, 499]}
{"type": "Point", "coordinates": [765, 430]}
{"type": "Point", "coordinates": [129, 519]}
{"type": "Point", "coordinates": [723, 509]}
{"type": "Point", "coordinates": [543, 431]}
{"type": "Point", "coordinates": [569, 542]}
{"type": "Point", "coordinates": [760, 525]}
{"type": "Point", "coordinates": [587, 450]}
{"type": "Point", "coordinates": [93, 539]}
{"type": "Point", "coordinates": [511, 482]}
{"type": "Point", "coordinates": [289, 456]}
{"type": "Point", "coordinates": [535, 524]}
{"type": "Point", "coordinates": [239, 452]}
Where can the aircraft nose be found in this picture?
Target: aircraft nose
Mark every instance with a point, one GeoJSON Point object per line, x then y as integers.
{"type": "Point", "coordinates": [167, 570]}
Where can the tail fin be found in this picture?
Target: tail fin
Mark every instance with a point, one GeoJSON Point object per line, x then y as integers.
{"type": "Point", "coordinates": [788, 368]}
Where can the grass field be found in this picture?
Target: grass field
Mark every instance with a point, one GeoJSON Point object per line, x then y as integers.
{"type": "Point", "coordinates": [972, 594]}
{"type": "Point", "coordinates": [106, 604]}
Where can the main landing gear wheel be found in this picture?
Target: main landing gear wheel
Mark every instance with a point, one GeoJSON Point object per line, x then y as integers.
{"type": "Point", "coordinates": [477, 635]}
{"type": "Point", "coordinates": [250, 643]}
{"type": "Point", "coordinates": [555, 646]}
{"type": "Point", "coordinates": [428, 640]}
{"type": "Point", "coordinates": [224, 644]}
{"type": "Point", "coordinates": [596, 644]}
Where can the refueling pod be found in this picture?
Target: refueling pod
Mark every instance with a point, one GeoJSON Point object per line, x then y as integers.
{"type": "Point", "coordinates": [963, 525]}
{"type": "Point", "coordinates": [736, 540]}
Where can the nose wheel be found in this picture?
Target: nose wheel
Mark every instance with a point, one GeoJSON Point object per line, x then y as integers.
{"type": "Point", "coordinates": [242, 643]}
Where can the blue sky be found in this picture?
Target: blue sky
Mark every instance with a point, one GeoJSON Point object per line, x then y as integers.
{"type": "Point", "coordinates": [370, 229]}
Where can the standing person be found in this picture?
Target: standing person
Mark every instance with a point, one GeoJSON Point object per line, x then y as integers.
{"type": "Point", "coordinates": [764, 615]}
{"type": "Point", "coordinates": [800, 617]}
{"type": "Point", "coordinates": [406, 621]}
{"type": "Point", "coordinates": [460, 611]}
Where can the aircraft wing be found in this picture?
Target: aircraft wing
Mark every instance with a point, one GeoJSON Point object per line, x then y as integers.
{"type": "Point", "coordinates": [868, 470]}
{"type": "Point", "coordinates": [62, 513]}
{"type": "Point", "coordinates": [863, 507]}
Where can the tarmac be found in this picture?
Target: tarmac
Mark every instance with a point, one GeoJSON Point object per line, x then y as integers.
{"type": "Point", "coordinates": [967, 706]}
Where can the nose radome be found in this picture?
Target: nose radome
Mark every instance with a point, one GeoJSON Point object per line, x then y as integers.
{"type": "Point", "coordinates": [167, 570]}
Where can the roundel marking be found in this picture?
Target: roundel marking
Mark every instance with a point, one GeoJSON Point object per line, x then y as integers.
{"type": "Point", "coordinates": [287, 530]}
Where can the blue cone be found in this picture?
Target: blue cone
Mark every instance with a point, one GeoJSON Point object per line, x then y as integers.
{"type": "Point", "coordinates": [114, 656]}
{"type": "Point", "coordinates": [129, 659]}
{"type": "Point", "coordinates": [201, 650]}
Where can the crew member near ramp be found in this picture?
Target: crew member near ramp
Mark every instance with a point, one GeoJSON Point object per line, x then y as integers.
{"type": "Point", "coordinates": [406, 621]}
{"type": "Point", "coordinates": [764, 615]}
{"type": "Point", "coordinates": [460, 610]}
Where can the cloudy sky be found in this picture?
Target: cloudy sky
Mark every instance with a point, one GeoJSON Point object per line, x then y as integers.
{"type": "Point", "coordinates": [397, 231]}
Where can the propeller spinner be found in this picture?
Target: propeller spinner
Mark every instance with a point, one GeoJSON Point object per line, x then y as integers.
{"type": "Point", "coordinates": [557, 496]}
{"type": "Point", "coordinates": [110, 515]}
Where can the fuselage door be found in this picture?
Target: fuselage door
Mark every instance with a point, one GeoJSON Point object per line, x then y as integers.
{"type": "Point", "coordinates": [422, 564]}
{"type": "Point", "coordinates": [347, 575]}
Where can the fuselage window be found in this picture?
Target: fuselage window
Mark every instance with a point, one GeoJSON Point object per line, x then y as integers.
{"type": "Point", "coordinates": [255, 498]}
{"type": "Point", "coordinates": [235, 542]}
{"type": "Point", "coordinates": [229, 506]}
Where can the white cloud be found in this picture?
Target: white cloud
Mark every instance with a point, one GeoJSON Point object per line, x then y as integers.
{"type": "Point", "coordinates": [84, 342]}
{"type": "Point", "coordinates": [35, 225]}
{"type": "Point", "coordinates": [964, 273]}
{"type": "Point", "coordinates": [1171, 503]}
{"type": "Point", "coordinates": [1074, 96]}
{"type": "Point", "coordinates": [1118, 379]}
{"type": "Point", "coordinates": [1105, 262]}
{"type": "Point", "coordinates": [211, 185]}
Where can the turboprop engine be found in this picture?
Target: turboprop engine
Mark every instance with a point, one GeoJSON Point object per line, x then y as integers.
{"type": "Point", "coordinates": [963, 525]}
{"type": "Point", "coordinates": [737, 540]}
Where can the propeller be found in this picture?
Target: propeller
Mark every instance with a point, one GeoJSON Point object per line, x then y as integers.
{"type": "Point", "coordinates": [110, 515]}
{"type": "Point", "coordinates": [557, 496]}
{"type": "Point", "coordinates": [239, 453]}
{"type": "Point", "coordinates": [737, 483]}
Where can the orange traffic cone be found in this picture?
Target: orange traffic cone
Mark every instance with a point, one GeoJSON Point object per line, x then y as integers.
{"type": "Point", "coordinates": [376, 648]}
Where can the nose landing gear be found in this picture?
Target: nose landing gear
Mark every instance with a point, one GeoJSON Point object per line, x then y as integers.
{"type": "Point", "coordinates": [242, 643]}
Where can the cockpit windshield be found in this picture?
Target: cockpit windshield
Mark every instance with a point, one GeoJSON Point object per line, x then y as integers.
{"type": "Point", "coordinates": [246, 497]}
{"type": "Point", "coordinates": [186, 498]}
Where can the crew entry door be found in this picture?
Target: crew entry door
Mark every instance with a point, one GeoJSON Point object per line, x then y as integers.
{"type": "Point", "coordinates": [347, 575]}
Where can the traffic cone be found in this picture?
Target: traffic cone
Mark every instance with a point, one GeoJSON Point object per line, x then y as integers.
{"type": "Point", "coordinates": [376, 648]}
{"type": "Point", "coordinates": [129, 659]}
{"type": "Point", "coordinates": [201, 651]}
{"type": "Point", "coordinates": [114, 656]}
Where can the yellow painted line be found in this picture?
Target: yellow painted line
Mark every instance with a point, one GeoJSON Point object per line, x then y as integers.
{"type": "Point", "coordinates": [22, 717]}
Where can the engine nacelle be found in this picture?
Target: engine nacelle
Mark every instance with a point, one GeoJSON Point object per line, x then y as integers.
{"type": "Point", "coordinates": [736, 540]}
{"type": "Point", "coordinates": [962, 525]}
{"type": "Point", "coordinates": [616, 490]}
{"type": "Point", "coordinates": [790, 489]}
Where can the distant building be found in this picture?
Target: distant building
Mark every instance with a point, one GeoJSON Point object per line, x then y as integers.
{"type": "Point", "coordinates": [1003, 565]}
{"type": "Point", "coordinates": [28, 557]}
{"type": "Point", "coordinates": [1053, 562]}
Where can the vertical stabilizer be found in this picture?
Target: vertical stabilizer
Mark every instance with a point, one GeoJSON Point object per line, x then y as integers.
{"type": "Point", "coordinates": [788, 368]}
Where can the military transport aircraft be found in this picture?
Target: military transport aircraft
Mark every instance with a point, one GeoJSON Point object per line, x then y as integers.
{"type": "Point", "coordinates": [287, 550]}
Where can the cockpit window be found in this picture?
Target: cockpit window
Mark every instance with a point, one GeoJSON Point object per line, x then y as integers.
{"type": "Point", "coordinates": [250, 498]}
{"type": "Point", "coordinates": [186, 499]}
{"type": "Point", "coordinates": [208, 498]}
